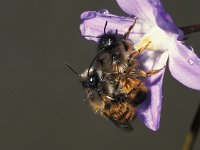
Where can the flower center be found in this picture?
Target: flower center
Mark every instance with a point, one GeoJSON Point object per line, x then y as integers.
{"type": "Point", "coordinates": [156, 39]}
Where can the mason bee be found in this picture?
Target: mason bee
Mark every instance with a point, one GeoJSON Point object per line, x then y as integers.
{"type": "Point", "coordinates": [113, 50]}
{"type": "Point", "coordinates": [103, 99]}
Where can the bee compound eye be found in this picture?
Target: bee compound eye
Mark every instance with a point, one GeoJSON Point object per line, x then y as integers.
{"type": "Point", "coordinates": [91, 79]}
{"type": "Point", "coordinates": [115, 57]}
{"type": "Point", "coordinates": [109, 42]}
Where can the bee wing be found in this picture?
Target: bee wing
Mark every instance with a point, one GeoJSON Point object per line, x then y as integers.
{"type": "Point", "coordinates": [126, 126]}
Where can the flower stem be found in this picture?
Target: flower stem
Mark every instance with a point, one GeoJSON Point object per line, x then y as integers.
{"type": "Point", "coordinates": [193, 132]}
{"type": "Point", "coordinates": [190, 29]}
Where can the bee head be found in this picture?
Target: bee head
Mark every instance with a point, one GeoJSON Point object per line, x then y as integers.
{"type": "Point", "coordinates": [90, 80]}
{"type": "Point", "coordinates": [109, 41]}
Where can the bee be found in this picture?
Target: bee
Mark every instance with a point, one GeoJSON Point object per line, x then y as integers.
{"type": "Point", "coordinates": [113, 50]}
{"type": "Point", "coordinates": [101, 96]}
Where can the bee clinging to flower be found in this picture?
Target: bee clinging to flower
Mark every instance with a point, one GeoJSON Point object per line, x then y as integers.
{"type": "Point", "coordinates": [101, 96]}
{"type": "Point", "coordinates": [113, 50]}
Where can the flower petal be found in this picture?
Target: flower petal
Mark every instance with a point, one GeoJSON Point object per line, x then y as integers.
{"type": "Point", "coordinates": [184, 65]}
{"type": "Point", "coordinates": [152, 60]}
{"type": "Point", "coordinates": [150, 110]}
{"type": "Point", "coordinates": [143, 9]}
{"type": "Point", "coordinates": [151, 11]}
{"type": "Point", "coordinates": [94, 23]}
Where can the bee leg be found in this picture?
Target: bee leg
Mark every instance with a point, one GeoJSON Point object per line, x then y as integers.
{"type": "Point", "coordinates": [152, 72]}
{"type": "Point", "coordinates": [140, 98]}
{"type": "Point", "coordinates": [110, 98]}
{"type": "Point", "coordinates": [144, 74]}
{"type": "Point", "coordinates": [138, 49]}
{"type": "Point", "coordinates": [134, 90]}
{"type": "Point", "coordinates": [129, 29]}
{"type": "Point", "coordinates": [139, 94]}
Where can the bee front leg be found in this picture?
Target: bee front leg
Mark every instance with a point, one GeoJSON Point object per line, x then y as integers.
{"type": "Point", "coordinates": [138, 94]}
{"type": "Point", "coordinates": [152, 72]}
{"type": "Point", "coordinates": [139, 48]}
{"type": "Point", "coordinates": [129, 29]}
{"type": "Point", "coordinates": [144, 74]}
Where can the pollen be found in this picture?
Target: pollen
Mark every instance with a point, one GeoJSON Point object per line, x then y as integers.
{"type": "Point", "coordinates": [145, 43]}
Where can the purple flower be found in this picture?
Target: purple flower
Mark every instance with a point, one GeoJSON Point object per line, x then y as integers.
{"type": "Point", "coordinates": [154, 25]}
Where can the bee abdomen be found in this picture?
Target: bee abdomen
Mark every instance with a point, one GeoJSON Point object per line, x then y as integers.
{"type": "Point", "coordinates": [121, 112]}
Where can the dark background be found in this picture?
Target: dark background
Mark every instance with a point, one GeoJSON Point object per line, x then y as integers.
{"type": "Point", "coordinates": [41, 101]}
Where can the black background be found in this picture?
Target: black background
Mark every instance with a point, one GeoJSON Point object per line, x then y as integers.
{"type": "Point", "coordinates": [41, 101]}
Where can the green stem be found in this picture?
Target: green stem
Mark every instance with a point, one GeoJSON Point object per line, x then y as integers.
{"type": "Point", "coordinates": [193, 132]}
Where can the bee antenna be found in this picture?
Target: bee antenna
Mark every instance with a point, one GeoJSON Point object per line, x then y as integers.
{"type": "Point", "coordinates": [104, 30]}
{"type": "Point", "coordinates": [93, 62]}
{"type": "Point", "coordinates": [116, 32]}
{"type": "Point", "coordinates": [71, 69]}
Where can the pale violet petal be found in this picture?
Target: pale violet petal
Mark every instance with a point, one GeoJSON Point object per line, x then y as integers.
{"type": "Point", "coordinates": [93, 25]}
{"type": "Point", "coordinates": [151, 11]}
{"type": "Point", "coordinates": [150, 110]}
{"type": "Point", "coordinates": [184, 65]}
{"type": "Point", "coordinates": [152, 60]}
{"type": "Point", "coordinates": [143, 9]}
